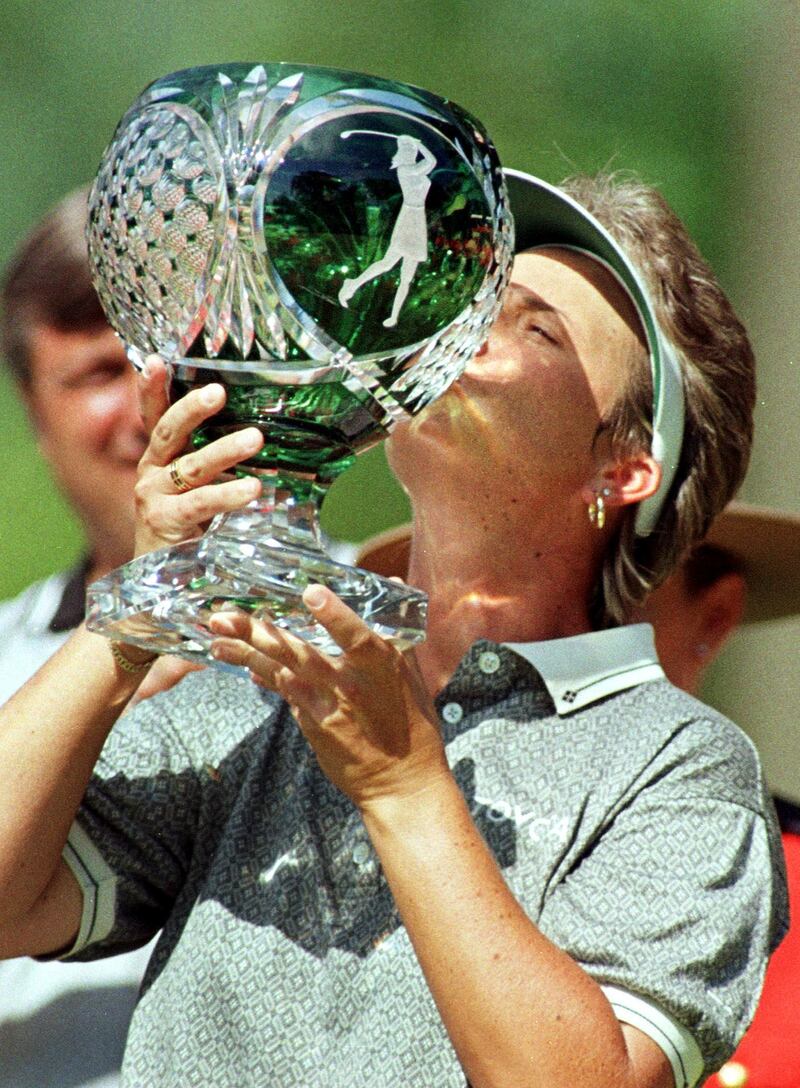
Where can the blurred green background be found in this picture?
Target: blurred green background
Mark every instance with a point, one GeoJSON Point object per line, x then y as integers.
{"type": "Point", "coordinates": [700, 99]}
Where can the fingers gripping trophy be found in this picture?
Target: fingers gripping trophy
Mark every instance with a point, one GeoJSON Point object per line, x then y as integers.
{"type": "Point", "coordinates": [332, 248]}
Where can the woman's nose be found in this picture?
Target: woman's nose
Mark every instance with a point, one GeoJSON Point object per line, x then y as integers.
{"type": "Point", "coordinates": [494, 342]}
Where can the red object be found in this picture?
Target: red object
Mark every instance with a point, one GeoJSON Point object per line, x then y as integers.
{"type": "Point", "coordinates": [769, 1054]}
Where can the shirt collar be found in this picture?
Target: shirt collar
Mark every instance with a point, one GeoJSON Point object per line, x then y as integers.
{"type": "Point", "coordinates": [580, 670]}
{"type": "Point", "coordinates": [72, 605]}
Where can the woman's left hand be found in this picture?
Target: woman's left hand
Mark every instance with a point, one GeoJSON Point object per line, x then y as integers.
{"type": "Point", "coordinates": [366, 713]}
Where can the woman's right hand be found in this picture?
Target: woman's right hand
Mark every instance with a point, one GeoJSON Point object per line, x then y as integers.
{"type": "Point", "coordinates": [165, 513]}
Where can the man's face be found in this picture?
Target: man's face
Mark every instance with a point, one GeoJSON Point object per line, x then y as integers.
{"type": "Point", "coordinates": [524, 415]}
{"type": "Point", "coordinates": [82, 399]}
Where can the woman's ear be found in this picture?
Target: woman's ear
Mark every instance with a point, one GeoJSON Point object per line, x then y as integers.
{"type": "Point", "coordinates": [624, 482]}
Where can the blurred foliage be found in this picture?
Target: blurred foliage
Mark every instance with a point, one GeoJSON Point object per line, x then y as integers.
{"type": "Point", "coordinates": [562, 85]}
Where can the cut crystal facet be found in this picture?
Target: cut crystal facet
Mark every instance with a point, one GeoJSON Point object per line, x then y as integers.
{"type": "Point", "coordinates": [330, 246]}
{"type": "Point", "coordinates": [163, 600]}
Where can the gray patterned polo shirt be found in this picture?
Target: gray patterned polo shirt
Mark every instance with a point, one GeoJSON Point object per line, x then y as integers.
{"type": "Point", "coordinates": [630, 821]}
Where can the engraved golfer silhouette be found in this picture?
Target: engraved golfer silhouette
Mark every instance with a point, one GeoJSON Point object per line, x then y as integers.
{"type": "Point", "coordinates": [409, 241]}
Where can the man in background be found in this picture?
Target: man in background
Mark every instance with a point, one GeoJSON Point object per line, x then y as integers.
{"type": "Point", "coordinates": [79, 391]}
{"type": "Point", "coordinates": [64, 1025]}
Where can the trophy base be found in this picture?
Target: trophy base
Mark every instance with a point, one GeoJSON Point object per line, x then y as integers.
{"type": "Point", "coordinates": [163, 601]}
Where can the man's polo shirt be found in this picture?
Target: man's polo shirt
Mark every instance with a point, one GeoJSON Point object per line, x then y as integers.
{"type": "Point", "coordinates": [35, 623]}
{"type": "Point", "coordinates": [629, 820]}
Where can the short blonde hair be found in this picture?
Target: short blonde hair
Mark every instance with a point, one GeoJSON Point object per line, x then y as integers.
{"type": "Point", "coordinates": [718, 370]}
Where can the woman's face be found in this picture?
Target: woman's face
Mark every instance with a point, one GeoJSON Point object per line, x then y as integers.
{"type": "Point", "coordinates": [524, 415]}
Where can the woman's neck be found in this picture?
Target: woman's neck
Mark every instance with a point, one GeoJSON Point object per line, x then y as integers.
{"type": "Point", "coordinates": [484, 584]}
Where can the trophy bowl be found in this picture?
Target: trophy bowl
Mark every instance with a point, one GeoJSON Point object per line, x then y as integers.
{"type": "Point", "coordinates": [330, 246]}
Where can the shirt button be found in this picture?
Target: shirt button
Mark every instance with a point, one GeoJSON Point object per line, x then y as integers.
{"type": "Point", "coordinates": [489, 662]}
{"type": "Point", "coordinates": [452, 713]}
{"type": "Point", "coordinates": [361, 853]}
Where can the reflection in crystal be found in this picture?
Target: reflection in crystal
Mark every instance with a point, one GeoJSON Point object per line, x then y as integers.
{"type": "Point", "coordinates": [330, 246]}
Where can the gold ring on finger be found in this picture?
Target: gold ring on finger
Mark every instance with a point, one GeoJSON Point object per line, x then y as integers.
{"type": "Point", "coordinates": [177, 477]}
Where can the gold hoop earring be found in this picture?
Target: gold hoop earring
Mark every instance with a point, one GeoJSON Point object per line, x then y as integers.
{"type": "Point", "coordinates": [597, 509]}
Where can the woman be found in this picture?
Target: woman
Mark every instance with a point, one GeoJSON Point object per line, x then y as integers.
{"type": "Point", "coordinates": [408, 243]}
{"type": "Point", "coordinates": [520, 856]}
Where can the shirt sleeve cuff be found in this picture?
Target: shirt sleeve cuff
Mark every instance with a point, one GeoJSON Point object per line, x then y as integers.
{"type": "Point", "coordinates": [677, 1043]}
{"type": "Point", "coordinates": [98, 884]}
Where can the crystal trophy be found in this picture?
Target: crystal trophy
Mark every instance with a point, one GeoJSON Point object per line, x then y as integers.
{"type": "Point", "coordinates": [330, 246]}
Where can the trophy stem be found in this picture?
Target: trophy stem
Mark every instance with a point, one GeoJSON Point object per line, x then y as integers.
{"type": "Point", "coordinates": [286, 512]}
{"type": "Point", "coordinates": [256, 560]}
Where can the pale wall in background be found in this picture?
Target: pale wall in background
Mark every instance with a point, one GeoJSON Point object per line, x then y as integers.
{"type": "Point", "coordinates": [757, 682]}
